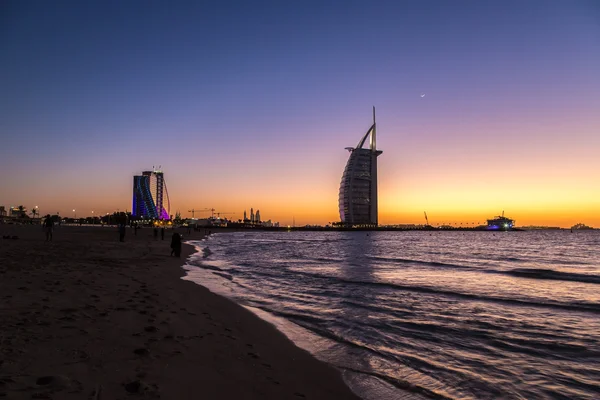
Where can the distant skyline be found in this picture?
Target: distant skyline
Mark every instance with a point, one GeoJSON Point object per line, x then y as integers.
{"type": "Point", "coordinates": [251, 104]}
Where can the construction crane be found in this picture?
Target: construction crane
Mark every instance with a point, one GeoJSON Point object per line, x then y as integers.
{"type": "Point", "coordinates": [426, 219]}
{"type": "Point", "coordinates": [224, 213]}
{"type": "Point", "coordinates": [193, 211]}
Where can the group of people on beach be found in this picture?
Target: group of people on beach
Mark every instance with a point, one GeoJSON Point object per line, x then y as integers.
{"type": "Point", "coordinates": [48, 227]}
{"type": "Point", "coordinates": [162, 233]}
{"type": "Point", "coordinates": [175, 239]}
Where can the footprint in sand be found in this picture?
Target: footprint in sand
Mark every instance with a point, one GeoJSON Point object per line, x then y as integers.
{"type": "Point", "coordinates": [275, 382]}
{"type": "Point", "coordinates": [58, 383]}
{"type": "Point", "coordinates": [136, 387]}
{"type": "Point", "coordinates": [142, 351]}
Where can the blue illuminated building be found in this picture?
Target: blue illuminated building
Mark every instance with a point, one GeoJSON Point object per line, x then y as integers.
{"type": "Point", "coordinates": [150, 196]}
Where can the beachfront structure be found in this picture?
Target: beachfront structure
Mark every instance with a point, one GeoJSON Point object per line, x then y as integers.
{"type": "Point", "coordinates": [18, 212]}
{"type": "Point", "coordinates": [358, 189]}
{"type": "Point", "coordinates": [150, 196]}
{"type": "Point", "coordinates": [255, 218]}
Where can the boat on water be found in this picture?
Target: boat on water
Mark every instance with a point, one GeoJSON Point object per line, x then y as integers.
{"type": "Point", "coordinates": [580, 226]}
{"type": "Point", "coordinates": [500, 223]}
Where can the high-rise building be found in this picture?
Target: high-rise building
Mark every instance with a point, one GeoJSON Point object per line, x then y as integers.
{"type": "Point", "coordinates": [358, 188]}
{"type": "Point", "coordinates": [252, 215]}
{"type": "Point", "coordinates": [257, 217]}
{"type": "Point", "coordinates": [150, 196]}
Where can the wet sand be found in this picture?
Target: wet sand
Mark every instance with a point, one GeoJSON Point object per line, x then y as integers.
{"type": "Point", "coordinates": [88, 317]}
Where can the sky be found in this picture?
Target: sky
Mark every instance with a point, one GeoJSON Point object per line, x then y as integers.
{"type": "Point", "coordinates": [251, 104]}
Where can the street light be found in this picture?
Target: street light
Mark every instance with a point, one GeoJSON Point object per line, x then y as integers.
{"type": "Point", "coordinates": [93, 221]}
{"type": "Point", "coordinates": [74, 214]}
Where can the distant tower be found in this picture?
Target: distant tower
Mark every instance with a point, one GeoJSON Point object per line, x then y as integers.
{"type": "Point", "coordinates": [257, 215]}
{"type": "Point", "coordinates": [358, 189]}
{"type": "Point", "coordinates": [245, 217]}
{"type": "Point", "coordinates": [252, 215]}
{"type": "Point", "coordinates": [150, 195]}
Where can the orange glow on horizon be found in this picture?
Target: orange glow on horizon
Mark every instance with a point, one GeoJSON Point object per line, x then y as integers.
{"type": "Point", "coordinates": [453, 183]}
{"type": "Point", "coordinates": [563, 204]}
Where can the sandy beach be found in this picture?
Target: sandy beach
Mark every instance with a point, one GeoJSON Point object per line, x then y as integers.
{"type": "Point", "coordinates": [88, 317]}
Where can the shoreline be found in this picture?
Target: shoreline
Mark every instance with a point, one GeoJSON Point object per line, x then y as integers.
{"type": "Point", "coordinates": [87, 316]}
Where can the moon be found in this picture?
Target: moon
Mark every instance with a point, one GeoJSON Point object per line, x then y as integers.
{"type": "Point", "coordinates": [423, 95]}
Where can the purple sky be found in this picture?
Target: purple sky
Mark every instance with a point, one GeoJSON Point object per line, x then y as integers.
{"type": "Point", "coordinates": [250, 104]}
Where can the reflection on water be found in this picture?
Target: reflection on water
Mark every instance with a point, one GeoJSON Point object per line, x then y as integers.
{"type": "Point", "coordinates": [427, 315]}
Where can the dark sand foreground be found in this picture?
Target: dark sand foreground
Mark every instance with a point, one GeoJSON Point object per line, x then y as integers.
{"type": "Point", "coordinates": [88, 317]}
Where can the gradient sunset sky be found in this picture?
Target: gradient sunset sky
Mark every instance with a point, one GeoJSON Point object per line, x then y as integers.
{"type": "Point", "coordinates": [251, 104]}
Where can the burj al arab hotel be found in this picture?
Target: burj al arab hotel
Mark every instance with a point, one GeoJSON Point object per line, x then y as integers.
{"type": "Point", "coordinates": [358, 189]}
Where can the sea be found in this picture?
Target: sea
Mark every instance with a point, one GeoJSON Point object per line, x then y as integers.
{"type": "Point", "coordinates": [425, 315]}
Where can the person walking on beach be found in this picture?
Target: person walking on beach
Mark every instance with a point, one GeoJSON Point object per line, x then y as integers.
{"type": "Point", "coordinates": [176, 244]}
{"type": "Point", "coordinates": [162, 233]}
{"type": "Point", "coordinates": [48, 227]}
{"type": "Point", "coordinates": [121, 232]}
{"type": "Point", "coordinates": [155, 233]}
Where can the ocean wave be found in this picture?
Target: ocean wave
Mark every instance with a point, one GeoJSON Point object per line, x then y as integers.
{"type": "Point", "coordinates": [260, 240]}
{"type": "Point", "coordinates": [322, 259]}
{"type": "Point", "coordinates": [511, 259]}
{"type": "Point", "coordinates": [540, 273]}
{"type": "Point", "coordinates": [295, 240]}
{"type": "Point", "coordinates": [420, 262]}
{"type": "Point", "coordinates": [200, 264]}
{"type": "Point", "coordinates": [542, 348]}
{"type": "Point", "coordinates": [578, 306]}
{"type": "Point", "coordinates": [455, 318]}
{"type": "Point", "coordinates": [589, 307]}
{"type": "Point", "coordinates": [403, 385]}
{"type": "Point", "coordinates": [223, 275]}
{"type": "Point", "coordinates": [415, 364]}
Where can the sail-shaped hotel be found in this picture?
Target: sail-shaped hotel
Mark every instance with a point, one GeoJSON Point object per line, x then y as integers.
{"type": "Point", "coordinates": [358, 189]}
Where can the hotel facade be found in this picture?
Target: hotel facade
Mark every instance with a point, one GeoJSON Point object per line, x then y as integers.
{"type": "Point", "coordinates": [150, 196]}
{"type": "Point", "coordinates": [358, 188]}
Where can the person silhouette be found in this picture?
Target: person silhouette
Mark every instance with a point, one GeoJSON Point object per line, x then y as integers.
{"type": "Point", "coordinates": [121, 232]}
{"type": "Point", "coordinates": [48, 227]}
{"type": "Point", "coordinates": [176, 244]}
